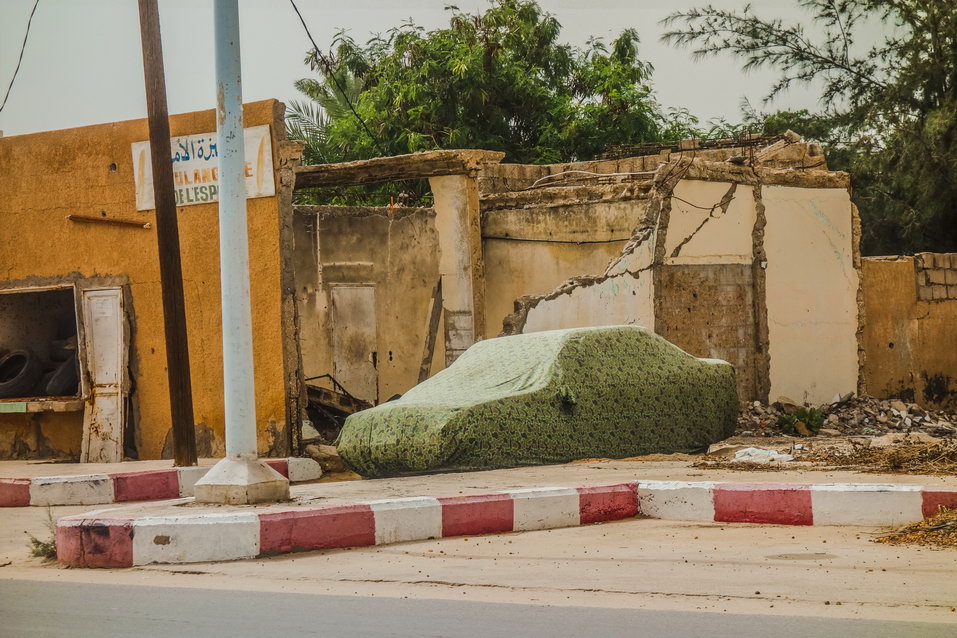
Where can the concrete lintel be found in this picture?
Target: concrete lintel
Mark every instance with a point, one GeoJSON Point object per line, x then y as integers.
{"type": "Point", "coordinates": [398, 167]}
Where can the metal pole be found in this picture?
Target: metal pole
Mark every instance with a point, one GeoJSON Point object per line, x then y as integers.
{"type": "Point", "coordinates": [167, 238]}
{"type": "Point", "coordinates": [239, 391]}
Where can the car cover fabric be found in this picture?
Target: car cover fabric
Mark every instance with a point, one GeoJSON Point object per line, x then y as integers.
{"type": "Point", "coordinates": [548, 397]}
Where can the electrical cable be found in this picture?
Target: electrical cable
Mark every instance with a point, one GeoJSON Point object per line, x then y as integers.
{"type": "Point", "coordinates": [335, 80]}
{"type": "Point", "coordinates": [20, 59]}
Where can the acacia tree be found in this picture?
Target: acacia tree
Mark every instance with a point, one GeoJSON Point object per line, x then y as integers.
{"type": "Point", "coordinates": [497, 80]}
{"type": "Point", "coordinates": [889, 108]}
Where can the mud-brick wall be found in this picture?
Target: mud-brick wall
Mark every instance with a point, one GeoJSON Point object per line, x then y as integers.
{"type": "Point", "coordinates": [393, 256]}
{"type": "Point", "coordinates": [88, 171]}
{"type": "Point", "coordinates": [910, 342]}
{"type": "Point", "coordinates": [708, 310]}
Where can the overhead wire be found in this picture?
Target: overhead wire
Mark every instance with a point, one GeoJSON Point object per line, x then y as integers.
{"type": "Point", "coordinates": [20, 59]}
{"type": "Point", "coordinates": [335, 80]}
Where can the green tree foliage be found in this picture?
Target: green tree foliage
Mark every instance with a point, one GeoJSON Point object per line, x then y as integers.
{"type": "Point", "coordinates": [497, 80]}
{"type": "Point", "coordinates": [889, 111]}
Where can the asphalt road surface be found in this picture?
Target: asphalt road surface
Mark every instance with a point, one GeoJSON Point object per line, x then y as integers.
{"type": "Point", "coordinates": [77, 610]}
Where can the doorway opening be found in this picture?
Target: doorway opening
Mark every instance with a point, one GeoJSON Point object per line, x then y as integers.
{"type": "Point", "coordinates": [39, 350]}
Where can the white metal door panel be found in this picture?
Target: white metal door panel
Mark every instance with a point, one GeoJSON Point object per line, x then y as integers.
{"type": "Point", "coordinates": [104, 324]}
{"type": "Point", "coordinates": [354, 340]}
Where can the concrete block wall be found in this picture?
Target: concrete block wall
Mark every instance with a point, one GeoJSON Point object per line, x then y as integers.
{"type": "Point", "coordinates": [936, 276]}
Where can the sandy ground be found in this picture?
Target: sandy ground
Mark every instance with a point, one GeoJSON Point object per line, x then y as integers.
{"type": "Point", "coordinates": [638, 563]}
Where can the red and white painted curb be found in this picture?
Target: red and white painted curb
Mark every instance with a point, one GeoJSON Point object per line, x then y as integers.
{"type": "Point", "coordinates": [100, 539]}
{"type": "Point", "coordinates": [123, 487]}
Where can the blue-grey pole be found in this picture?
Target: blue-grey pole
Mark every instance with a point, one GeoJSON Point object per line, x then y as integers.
{"type": "Point", "coordinates": [239, 392]}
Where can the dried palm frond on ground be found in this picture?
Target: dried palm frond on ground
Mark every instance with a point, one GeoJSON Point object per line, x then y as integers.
{"type": "Point", "coordinates": [937, 531]}
{"type": "Point", "coordinates": [747, 466]}
{"type": "Point", "coordinates": [903, 458]}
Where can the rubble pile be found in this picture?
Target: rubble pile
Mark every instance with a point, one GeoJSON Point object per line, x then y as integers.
{"type": "Point", "coordinates": [846, 416]}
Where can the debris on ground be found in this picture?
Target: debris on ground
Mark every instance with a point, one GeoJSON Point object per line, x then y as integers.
{"type": "Point", "coordinates": [906, 456]}
{"type": "Point", "coordinates": [939, 530]}
{"type": "Point", "coordinates": [326, 456]}
{"type": "Point", "coordinates": [760, 455]}
{"type": "Point", "coordinates": [847, 415]}
{"type": "Point", "coordinates": [327, 409]}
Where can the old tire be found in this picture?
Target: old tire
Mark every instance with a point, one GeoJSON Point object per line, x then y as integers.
{"type": "Point", "coordinates": [19, 372]}
{"type": "Point", "coordinates": [62, 350]}
{"type": "Point", "coordinates": [64, 380]}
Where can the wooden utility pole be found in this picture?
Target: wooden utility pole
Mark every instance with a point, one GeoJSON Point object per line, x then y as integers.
{"type": "Point", "coordinates": [167, 237]}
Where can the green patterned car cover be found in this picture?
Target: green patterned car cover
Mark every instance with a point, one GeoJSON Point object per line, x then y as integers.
{"type": "Point", "coordinates": [548, 397]}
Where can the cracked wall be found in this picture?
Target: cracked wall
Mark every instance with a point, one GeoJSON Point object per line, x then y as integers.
{"type": "Point", "coordinates": [531, 251]}
{"type": "Point", "coordinates": [756, 266]}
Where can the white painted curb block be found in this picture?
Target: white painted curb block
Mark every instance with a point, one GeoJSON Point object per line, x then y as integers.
{"type": "Point", "coordinates": [875, 504]}
{"type": "Point", "coordinates": [91, 489]}
{"type": "Point", "coordinates": [195, 539]}
{"type": "Point", "coordinates": [545, 508]}
{"type": "Point", "coordinates": [303, 469]}
{"type": "Point", "coordinates": [677, 500]}
{"type": "Point", "coordinates": [400, 520]}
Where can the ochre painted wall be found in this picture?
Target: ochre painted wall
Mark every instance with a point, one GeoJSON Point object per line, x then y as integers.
{"type": "Point", "coordinates": [88, 171]}
{"type": "Point", "coordinates": [910, 346]}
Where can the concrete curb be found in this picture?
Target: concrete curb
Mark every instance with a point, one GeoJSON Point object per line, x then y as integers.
{"type": "Point", "coordinates": [111, 541]}
{"type": "Point", "coordinates": [123, 487]}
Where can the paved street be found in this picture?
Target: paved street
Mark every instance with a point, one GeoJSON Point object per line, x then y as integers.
{"type": "Point", "coordinates": [70, 609]}
{"type": "Point", "coordinates": [672, 578]}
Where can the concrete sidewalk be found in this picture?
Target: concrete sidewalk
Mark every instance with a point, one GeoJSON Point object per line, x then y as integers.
{"type": "Point", "coordinates": [25, 483]}
{"type": "Point", "coordinates": [383, 511]}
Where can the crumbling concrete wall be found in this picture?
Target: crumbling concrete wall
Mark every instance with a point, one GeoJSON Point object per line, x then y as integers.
{"type": "Point", "coordinates": [530, 250]}
{"type": "Point", "coordinates": [909, 341]}
{"type": "Point", "coordinates": [702, 274]}
{"type": "Point", "coordinates": [393, 251]}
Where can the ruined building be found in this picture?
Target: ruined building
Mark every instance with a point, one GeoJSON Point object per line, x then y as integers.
{"type": "Point", "coordinates": [740, 250]}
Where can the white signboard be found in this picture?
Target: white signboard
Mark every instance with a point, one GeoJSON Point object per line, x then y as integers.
{"type": "Point", "coordinates": [196, 168]}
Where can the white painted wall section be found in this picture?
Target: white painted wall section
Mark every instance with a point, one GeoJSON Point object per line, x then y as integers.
{"type": "Point", "coordinates": [811, 293]}
{"type": "Point", "coordinates": [705, 233]}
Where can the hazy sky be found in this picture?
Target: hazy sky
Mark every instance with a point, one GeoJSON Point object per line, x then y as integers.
{"type": "Point", "coordinates": [83, 63]}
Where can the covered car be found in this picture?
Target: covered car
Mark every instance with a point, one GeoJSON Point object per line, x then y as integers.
{"type": "Point", "coordinates": [548, 397]}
